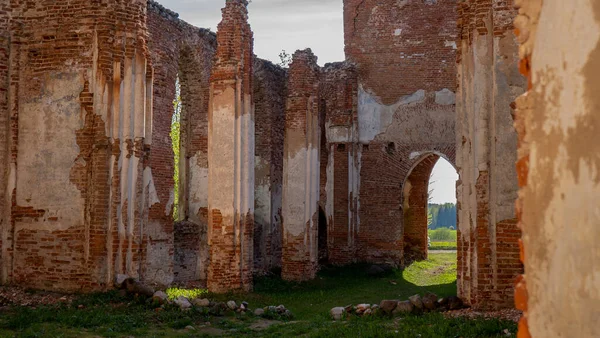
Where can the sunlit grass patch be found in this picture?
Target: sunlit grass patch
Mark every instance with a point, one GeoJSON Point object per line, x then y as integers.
{"type": "Point", "coordinates": [438, 269]}
{"type": "Point", "coordinates": [174, 293]}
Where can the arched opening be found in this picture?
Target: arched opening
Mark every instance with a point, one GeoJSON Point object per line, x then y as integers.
{"type": "Point", "coordinates": [429, 198]}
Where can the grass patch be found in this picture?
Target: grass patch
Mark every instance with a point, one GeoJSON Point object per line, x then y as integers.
{"type": "Point", "coordinates": [174, 293]}
{"type": "Point", "coordinates": [442, 246]}
{"type": "Point", "coordinates": [112, 315]}
{"type": "Point", "coordinates": [442, 235]}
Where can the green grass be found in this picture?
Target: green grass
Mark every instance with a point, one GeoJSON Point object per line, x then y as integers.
{"type": "Point", "coordinates": [112, 315]}
{"type": "Point", "coordinates": [442, 235]}
{"type": "Point", "coordinates": [442, 246]}
{"type": "Point", "coordinates": [174, 293]}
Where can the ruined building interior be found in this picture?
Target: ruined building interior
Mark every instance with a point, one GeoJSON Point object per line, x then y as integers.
{"type": "Point", "coordinates": [290, 167]}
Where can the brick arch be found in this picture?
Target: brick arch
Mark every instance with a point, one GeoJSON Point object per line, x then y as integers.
{"type": "Point", "coordinates": [414, 200]}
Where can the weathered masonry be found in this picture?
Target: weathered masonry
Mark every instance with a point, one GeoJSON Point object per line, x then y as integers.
{"type": "Point", "coordinates": [278, 168]}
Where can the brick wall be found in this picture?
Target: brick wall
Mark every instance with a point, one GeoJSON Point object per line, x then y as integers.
{"type": "Point", "coordinates": [301, 187]}
{"type": "Point", "coordinates": [415, 207]}
{"type": "Point", "coordinates": [231, 154]}
{"type": "Point", "coordinates": [401, 46]}
{"type": "Point", "coordinates": [4, 119]}
{"type": "Point", "coordinates": [269, 99]}
{"type": "Point", "coordinates": [487, 248]}
{"type": "Point", "coordinates": [179, 50]}
{"type": "Point", "coordinates": [60, 202]}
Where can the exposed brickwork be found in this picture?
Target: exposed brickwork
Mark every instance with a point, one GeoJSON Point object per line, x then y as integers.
{"type": "Point", "coordinates": [301, 187]}
{"type": "Point", "coordinates": [415, 204]}
{"type": "Point", "coordinates": [385, 167]}
{"type": "Point", "coordinates": [81, 47]}
{"type": "Point", "coordinates": [179, 50]}
{"type": "Point", "coordinates": [402, 46]}
{"type": "Point", "coordinates": [488, 251]}
{"type": "Point", "coordinates": [231, 146]}
{"type": "Point", "coordinates": [189, 239]}
{"type": "Point", "coordinates": [269, 98]}
{"type": "Point", "coordinates": [4, 124]}
{"type": "Point", "coordinates": [339, 87]}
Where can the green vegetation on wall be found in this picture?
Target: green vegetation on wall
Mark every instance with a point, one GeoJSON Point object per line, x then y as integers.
{"type": "Point", "coordinates": [176, 138]}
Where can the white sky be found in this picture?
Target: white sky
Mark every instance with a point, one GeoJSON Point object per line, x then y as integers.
{"type": "Point", "coordinates": [443, 182]}
{"type": "Point", "coordinates": [298, 24]}
{"type": "Point", "coordinates": [278, 24]}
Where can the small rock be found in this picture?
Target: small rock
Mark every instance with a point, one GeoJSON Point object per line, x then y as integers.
{"type": "Point", "coordinates": [455, 303]}
{"type": "Point", "coordinates": [160, 297]}
{"type": "Point", "coordinates": [245, 304]}
{"type": "Point", "coordinates": [120, 279]}
{"type": "Point", "coordinates": [280, 309]}
{"type": "Point", "coordinates": [183, 303]}
{"type": "Point", "coordinates": [80, 306]}
{"type": "Point", "coordinates": [375, 270]}
{"type": "Point", "coordinates": [337, 313]}
{"type": "Point", "coordinates": [271, 308]}
{"type": "Point", "coordinates": [242, 307]}
{"type": "Point", "coordinates": [349, 308]}
{"type": "Point", "coordinates": [363, 307]}
{"type": "Point", "coordinates": [387, 306]}
{"type": "Point", "coordinates": [430, 301]}
{"type": "Point", "coordinates": [232, 305]}
{"type": "Point", "coordinates": [201, 302]}
{"type": "Point", "coordinates": [63, 299]}
{"type": "Point", "coordinates": [403, 307]}
{"type": "Point", "coordinates": [287, 314]}
{"type": "Point", "coordinates": [259, 312]}
{"type": "Point", "coordinates": [367, 312]}
{"type": "Point", "coordinates": [190, 328]}
{"type": "Point", "coordinates": [416, 301]}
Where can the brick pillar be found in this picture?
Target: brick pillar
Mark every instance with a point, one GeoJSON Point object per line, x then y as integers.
{"type": "Point", "coordinates": [231, 154]}
{"type": "Point", "coordinates": [301, 169]}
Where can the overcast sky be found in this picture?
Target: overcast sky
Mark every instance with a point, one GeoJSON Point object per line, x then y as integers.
{"type": "Point", "coordinates": [278, 24]}
{"type": "Point", "coordinates": [443, 182]}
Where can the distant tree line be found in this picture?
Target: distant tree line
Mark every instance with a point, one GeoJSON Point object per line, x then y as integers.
{"type": "Point", "coordinates": [442, 216]}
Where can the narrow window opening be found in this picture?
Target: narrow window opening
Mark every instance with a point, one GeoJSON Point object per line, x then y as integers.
{"type": "Point", "coordinates": [176, 143]}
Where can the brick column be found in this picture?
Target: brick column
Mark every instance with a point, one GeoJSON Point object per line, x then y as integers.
{"type": "Point", "coordinates": [231, 154]}
{"type": "Point", "coordinates": [301, 169]}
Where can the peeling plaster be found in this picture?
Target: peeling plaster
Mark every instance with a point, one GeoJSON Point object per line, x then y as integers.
{"type": "Point", "coordinates": [375, 117]}
{"type": "Point", "coordinates": [198, 186]}
{"type": "Point", "coordinates": [48, 150]}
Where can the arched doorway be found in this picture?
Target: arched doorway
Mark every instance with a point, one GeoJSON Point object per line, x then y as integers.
{"type": "Point", "coordinates": [416, 197]}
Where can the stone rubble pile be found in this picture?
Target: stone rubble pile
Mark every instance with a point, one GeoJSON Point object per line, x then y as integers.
{"type": "Point", "coordinates": [220, 308]}
{"type": "Point", "coordinates": [414, 305]}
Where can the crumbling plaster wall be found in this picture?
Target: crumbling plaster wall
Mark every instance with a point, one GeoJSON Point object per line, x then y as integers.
{"type": "Point", "coordinates": [270, 83]}
{"type": "Point", "coordinates": [4, 111]}
{"type": "Point", "coordinates": [404, 53]}
{"type": "Point", "coordinates": [231, 147]}
{"type": "Point", "coordinates": [77, 98]}
{"type": "Point", "coordinates": [488, 82]}
{"type": "Point", "coordinates": [557, 120]}
{"type": "Point", "coordinates": [301, 189]}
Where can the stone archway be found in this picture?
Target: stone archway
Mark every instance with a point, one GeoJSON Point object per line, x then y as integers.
{"type": "Point", "coordinates": [415, 194]}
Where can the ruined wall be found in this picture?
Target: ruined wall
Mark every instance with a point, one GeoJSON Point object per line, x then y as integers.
{"type": "Point", "coordinates": [269, 98]}
{"type": "Point", "coordinates": [231, 146]}
{"type": "Point", "coordinates": [488, 80]}
{"type": "Point", "coordinates": [558, 168]}
{"type": "Point", "coordinates": [180, 51]}
{"type": "Point", "coordinates": [77, 98]}
{"type": "Point", "coordinates": [415, 202]}
{"type": "Point", "coordinates": [404, 53]}
{"type": "Point", "coordinates": [4, 114]}
{"type": "Point", "coordinates": [301, 187]}
{"type": "Point", "coordinates": [340, 160]}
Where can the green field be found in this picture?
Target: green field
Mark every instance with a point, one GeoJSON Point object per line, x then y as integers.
{"type": "Point", "coordinates": [111, 315]}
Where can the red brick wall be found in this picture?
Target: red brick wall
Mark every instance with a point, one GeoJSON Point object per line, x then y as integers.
{"type": "Point", "coordinates": [231, 236]}
{"type": "Point", "coordinates": [179, 49]}
{"type": "Point", "coordinates": [385, 167]}
{"type": "Point", "coordinates": [300, 251]}
{"type": "Point", "coordinates": [401, 46]}
{"type": "Point", "coordinates": [415, 216]}
{"type": "Point", "coordinates": [339, 109]}
{"type": "Point", "coordinates": [56, 42]}
{"type": "Point", "coordinates": [269, 99]}
{"type": "Point", "coordinates": [4, 113]}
